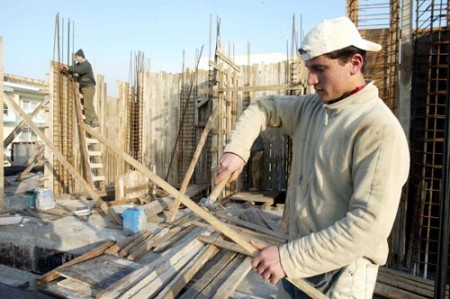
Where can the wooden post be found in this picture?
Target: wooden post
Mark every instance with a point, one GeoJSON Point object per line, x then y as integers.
{"type": "Point", "coordinates": [174, 209]}
{"type": "Point", "coordinates": [2, 176]}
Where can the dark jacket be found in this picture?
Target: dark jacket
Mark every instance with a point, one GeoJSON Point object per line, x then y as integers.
{"type": "Point", "coordinates": [85, 73]}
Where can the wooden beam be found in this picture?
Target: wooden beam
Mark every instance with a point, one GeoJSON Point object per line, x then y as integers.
{"type": "Point", "coordinates": [52, 275]}
{"type": "Point", "coordinates": [278, 87]}
{"type": "Point", "coordinates": [227, 60]}
{"type": "Point", "coordinates": [222, 244]}
{"type": "Point", "coordinates": [228, 287]}
{"type": "Point", "coordinates": [22, 124]}
{"type": "Point", "coordinates": [133, 282]}
{"type": "Point", "coordinates": [199, 211]}
{"type": "Point", "coordinates": [181, 280]}
{"type": "Point", "coordinates": [187, 177]}
{"type": "Point", "coordinates": [98, 201]}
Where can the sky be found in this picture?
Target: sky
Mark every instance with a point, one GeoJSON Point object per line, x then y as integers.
{"type": "Point", "coordinates": [109, 31]}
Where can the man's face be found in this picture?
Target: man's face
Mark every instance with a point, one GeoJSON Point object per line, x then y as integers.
{"type": "Point", "coordinates": [331, 78]}
{"type": "Point", "coordinates": [78, 58]}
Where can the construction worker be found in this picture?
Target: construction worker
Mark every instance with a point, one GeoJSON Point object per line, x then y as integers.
{"type": "Point", "coordinates": [350, 161]}
{"type": "Point", "coordinates": [83, 73]}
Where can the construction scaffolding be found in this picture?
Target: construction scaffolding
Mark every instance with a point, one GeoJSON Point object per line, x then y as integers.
{"type": "Point", "coordinates": [378, 21]}
{"type": "Point", "coordinates": [428, 130]}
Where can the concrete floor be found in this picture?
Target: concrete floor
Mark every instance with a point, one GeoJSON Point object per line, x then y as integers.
{"type": "Point", "coordinates": [72, 234]}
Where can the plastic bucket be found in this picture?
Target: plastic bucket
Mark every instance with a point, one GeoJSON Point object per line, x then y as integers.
{"type": "Point", "coordinates": [134, 220]}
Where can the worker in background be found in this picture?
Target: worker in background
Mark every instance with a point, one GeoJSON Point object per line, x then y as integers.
{"type": "Point", "coordinates": [83, 73]}
{"type": "Point", "coordinates": [257, 163]}
{"type": "Point", "coordinates": [350, 161]}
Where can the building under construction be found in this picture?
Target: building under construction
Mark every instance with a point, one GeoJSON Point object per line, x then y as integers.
{"type": "Point", "coordinates": [158, 148]}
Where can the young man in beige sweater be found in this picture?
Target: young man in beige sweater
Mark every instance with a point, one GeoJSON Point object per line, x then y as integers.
{"type": "Point", "coordinates": [350, 161]}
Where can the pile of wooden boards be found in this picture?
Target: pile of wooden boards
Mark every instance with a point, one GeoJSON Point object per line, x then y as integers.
{"type": "Point", "coordinates": [184, 259]}
{"type": "Point", "coordinates": [397, 284]}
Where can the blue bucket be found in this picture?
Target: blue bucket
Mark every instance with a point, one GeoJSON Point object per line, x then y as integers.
{"type": "Point", "coordinates": [134, 220]}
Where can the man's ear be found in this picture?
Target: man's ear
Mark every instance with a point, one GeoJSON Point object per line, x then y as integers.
{"type": "Point", "coordinates": [357, 62]}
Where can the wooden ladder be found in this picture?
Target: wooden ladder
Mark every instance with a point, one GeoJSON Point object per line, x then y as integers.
{"type": "Point", "coordinates": [91, 154]}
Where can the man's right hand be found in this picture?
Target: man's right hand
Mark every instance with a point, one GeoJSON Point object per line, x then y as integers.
{"type": "Point", "coordinates": [229, 163]}
{"type": "Point", "coordinates": [64, 69]}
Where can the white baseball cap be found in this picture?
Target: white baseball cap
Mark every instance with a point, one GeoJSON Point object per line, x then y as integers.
{"type": "Point", "coordinates": [331, 35]}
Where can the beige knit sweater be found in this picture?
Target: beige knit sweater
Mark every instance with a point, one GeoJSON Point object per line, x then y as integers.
{"type": "Point", "coordinates": [350, 161]}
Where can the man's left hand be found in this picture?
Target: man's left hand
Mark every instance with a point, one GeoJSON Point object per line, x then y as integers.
{"type": "Point", "coordinates": [267, 262]}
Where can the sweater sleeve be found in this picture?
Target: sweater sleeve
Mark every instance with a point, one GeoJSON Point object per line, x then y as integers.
{"type": "Point", "coordinates": [268, 111]}
{"type": "Point", "coordinates": [379, 169]}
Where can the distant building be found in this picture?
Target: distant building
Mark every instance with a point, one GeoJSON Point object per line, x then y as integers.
{"type": "Point", "coordinates": [28, 94]}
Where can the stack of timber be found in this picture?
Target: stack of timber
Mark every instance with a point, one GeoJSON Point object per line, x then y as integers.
{"type": "Point", "coordinates": [397, 284]}
{"type": "Point", "coordinates": [182, 259]}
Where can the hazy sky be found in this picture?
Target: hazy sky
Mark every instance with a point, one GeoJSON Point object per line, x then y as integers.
{"type": "Point", "coordinates": [108, 31]}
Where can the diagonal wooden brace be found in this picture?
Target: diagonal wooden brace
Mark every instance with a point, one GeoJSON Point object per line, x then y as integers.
{"type": "Point", "coordinates": [99, 202]}
{"type": "Point", "coordinates": [199, 211]}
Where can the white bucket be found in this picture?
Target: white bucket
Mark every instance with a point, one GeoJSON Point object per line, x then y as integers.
{"type": "Point", "coordinates": [44, 199]}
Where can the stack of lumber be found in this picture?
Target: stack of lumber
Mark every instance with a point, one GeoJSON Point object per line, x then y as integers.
{"type": "Point", "coordinates": [184, 259]}
{"type": "Point", "coordinates": [397, 284]}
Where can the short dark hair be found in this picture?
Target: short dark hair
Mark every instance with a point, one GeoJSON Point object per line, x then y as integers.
{"type": "Point", "coordinates": [345, 54]}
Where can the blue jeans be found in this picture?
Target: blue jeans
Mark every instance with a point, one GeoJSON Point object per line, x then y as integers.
{"type": "Point", "coordinates": [356, 280]}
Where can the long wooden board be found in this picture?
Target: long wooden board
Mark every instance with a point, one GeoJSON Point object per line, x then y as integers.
{"type": "Point", "coordinates": [189, 203]}
{"type": "Point", "coordinates": [100, 272]}
{"type": "Point", "coordinates": [53, 274]}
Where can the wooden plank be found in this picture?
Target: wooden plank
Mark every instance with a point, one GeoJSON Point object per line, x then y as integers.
{"type": "Point", "coordinates": [221, 277]}
{"type": "Point", "coordinates": [100, 272]}
{"type": "Point", "coordinates": [222, 244]}
{"type": "Point", "coordinates": [189, 203]}
{"type": "Point", "coordinates": [252, 226]}
{"type": "Point", "coordinates": [151, 289]}
{"type": "Point", "coordinates": [37, 156]}
{"type": "Point", "coordinates": [163, 244]}
{"type": "Point", "coordinates": [8, 220]}
{"type": "Point", "coordinates": [187, 177]}
{"type": "Point", "coordinates": [227, 288]}
{"type": "Point", "coordinates": [394, 293]}
{"type": "Point", "coordinates": [76, 286]}
{"type": "Point", "coordinates": [146, 245]}
{"type": "Point", "coordinates": [54, 290]}
{"type": "Point", "coordinates": [136, 243]}
{"type": "Point", "coordinates": [249, 196]}
{"type": "Point", "coordinates": [98, 201]}
{"type": "Point", "coordinates": [117, 247]}
{"type": "Point", "coordinates": [52, 275]}
{"type": "Point", "coordinates": [17, 129]}
{"type": "Point", "coordinates": [134, 281]}
{"type": "Point", "coordinates": [181, 280]}
{"type": "Point", "coordinates": [408, 282]}
{"type": "Point", "coordinates": [251, 88]}
{"type": "Point", "coordinates": [205, 280]}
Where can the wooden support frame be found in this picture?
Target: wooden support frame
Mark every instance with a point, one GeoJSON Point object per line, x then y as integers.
{"type": "Point", "coordinates": [22, 124]}
{"type": "Point", "coordinates": [98, 201]}
{"type": "Point", "coordinates": [199, 211]}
